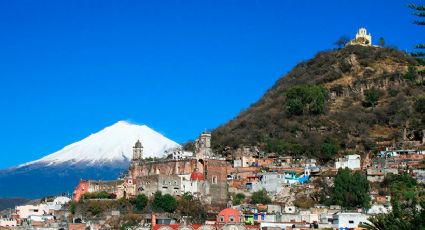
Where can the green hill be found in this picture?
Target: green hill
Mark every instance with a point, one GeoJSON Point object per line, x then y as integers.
{"type": "Point", "coordinates": [356, 99]}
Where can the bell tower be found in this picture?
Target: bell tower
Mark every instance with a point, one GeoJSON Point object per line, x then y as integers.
{"type": "Point", "coordinates": [137, 151]}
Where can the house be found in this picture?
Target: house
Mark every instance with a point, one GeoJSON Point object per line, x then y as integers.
{"type": "Point", "coordinates": [178, 153]}
{"type": "Point", "coordinates": [349, 161]}
{"type": "Point", "coordinates": [349, 220]}
{"type": "Point", "coordinates": [25, 211]}
{"type": "Point", "coordinates": [375, 175]}
{"type": "Point", "coordinates": [8, 223]}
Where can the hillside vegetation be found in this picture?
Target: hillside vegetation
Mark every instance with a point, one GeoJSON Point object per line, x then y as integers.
{"type": "Point", "coordinates": [356, 99]}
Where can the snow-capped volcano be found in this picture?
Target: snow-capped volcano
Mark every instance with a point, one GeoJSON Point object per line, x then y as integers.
{"type": "Point", "coordinates": [101, 156]}
{"type": "Point", "coordinates": [113, 143]}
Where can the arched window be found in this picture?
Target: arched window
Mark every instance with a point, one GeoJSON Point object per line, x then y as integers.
{"type": "Point", "coordinates": [214, 180]}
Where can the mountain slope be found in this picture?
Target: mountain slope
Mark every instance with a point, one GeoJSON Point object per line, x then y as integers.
{"type": "Point", "coordinates": [103, 155]}
{"type": "Point", "coordinates": [347, 122]}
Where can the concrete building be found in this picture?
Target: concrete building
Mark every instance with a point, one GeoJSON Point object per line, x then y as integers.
{"type": "Point", "coordinates": [349, 220]}
{"type": "Point", "coordinates": [8, 223]}
{"type": "Point", "coordinates": [349, 161]}
{"type": "Point", "coordinates": [178, 154]}
{"type": "Point", "coordinates": [25, 211]}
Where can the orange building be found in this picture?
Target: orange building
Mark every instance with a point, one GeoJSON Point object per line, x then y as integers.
{"type": "Point", "coordinates": [230, 216]}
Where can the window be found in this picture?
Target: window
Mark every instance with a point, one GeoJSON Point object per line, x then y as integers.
{"type": "Point", "coordinates": [351, 221]}
{"type": "Point", "coordinates": [214, 179]}
{"type": "Point", "coordinates": [232, 219]}
{"type": "Point", "coordinates": [221, 219]}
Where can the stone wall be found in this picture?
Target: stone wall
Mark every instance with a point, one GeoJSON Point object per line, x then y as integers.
{"type": "Point", "coordinates": [166, 184]}
{"type": "Point", "coordinates": [168, 167]}
{"type": "Point", "coordinates": [216, 174]}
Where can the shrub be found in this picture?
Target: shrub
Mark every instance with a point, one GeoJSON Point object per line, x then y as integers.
{"type": "Point", "coordinates": [371, 97]}
{"type": "Point", "coordinates": [309, 99]}
{"type": "Point", "coordinates": [238, 198]}
{"type": "Point", "coordinates": [260, 197]}
{"type": "Point", "coordinates": [141, 202]}
{"type": "Point", "coordinates": [165, 202]}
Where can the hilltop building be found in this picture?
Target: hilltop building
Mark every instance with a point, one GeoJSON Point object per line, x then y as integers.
{"type": "Point", "coordinates": [362, 38]}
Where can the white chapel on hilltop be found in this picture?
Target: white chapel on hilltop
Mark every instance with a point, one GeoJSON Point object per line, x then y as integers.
{"type": "Point", "coordinates": [362, 38]}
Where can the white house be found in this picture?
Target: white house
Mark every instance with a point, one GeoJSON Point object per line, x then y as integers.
{"type": "Point", "coordinates": [348, 220]}
{"type": "Point", "coordinates": [8, 223]}
{"type": "Point", "coordinates": [349, 161]}
{"type": "Point", "coordinates": [178, 154]}
{"type": "Point", "coordinates": [25, 211]}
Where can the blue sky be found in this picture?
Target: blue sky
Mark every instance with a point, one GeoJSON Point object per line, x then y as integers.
{"type": "Point", "coordinates": [71, 68]}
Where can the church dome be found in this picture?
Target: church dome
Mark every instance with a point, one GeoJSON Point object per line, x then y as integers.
{"type": "Point", "coordinates": [229, 215]}
{"type": "Point", "coordinates": [138, 144]}
{"type": "Point", "coordinates": [197, 176]}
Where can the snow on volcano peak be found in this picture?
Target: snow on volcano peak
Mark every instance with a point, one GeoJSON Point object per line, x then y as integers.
{"type": "Point", "coordinates": [113, 143]}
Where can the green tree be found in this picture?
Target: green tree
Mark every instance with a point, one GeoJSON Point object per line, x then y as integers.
{"type": "Point", "coordinates": [342, 41]}
{"type": "Point", "coordinates": [95, 209]}
{"type": "Point", "coordinates": [260, 197]}
{"type": "Point", "coordinates": [141, 202]}
{"type": "Point", "coordinates": [411, 73]}
{"type": "Point", "coordinates": [165, 202]}
{"type": "Point", "coordinates": [238, 198]}
{"type": "Point", "coordinates": [371, 97]}
{"type": "Point", "coordinates": [381, 42]}
{"type": "Point", "coordinates": [405, 216]}
{"type": "Point", "coordinates": [72, 207]}
{"type": "Point", "coordinates": [169, 203]}
{"type": "Point", "coordinates": [157, 201]}
{"type": "Point", "coordinates": [328, 151]}
{"type": "Point", "coordinates": [351, 190]}
{"type": "Point", "coordinates": [306, 99]}
{"type": "Point", "coordinates": [402, 186]}
{"type": "Point", "coordinates": [419, 11]}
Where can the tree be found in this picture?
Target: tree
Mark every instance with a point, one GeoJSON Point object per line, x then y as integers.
{"type": "Point", "coordinates": [192, 207]}
{"type": "Point", "coordinates": [328, 151]}
{"type": "Point", "coordinates": [404, 216]}
{"type": "Point", "coordinates": [402, 186]}
{"type": "Point", "coordinates": [306, 99]}
{"type": "Point", "coordinates": [381, 42]}
{"type": "Point", "coordinates": [141, 202]}
{"type": "Point", "coordinates": [165, 202]}
{"type": "Point", "coordinates": [260, 197]}
{"type": "Point", "coordinates": [419, 11]}
{"type": "Point", "coordinates": [419, 105]}
{"type": "Point", "coordinates": [371, 97]}
{"type": "Point", "coordinates": [169, 203]}
{"type": "Point", "coordinates": [238, 198]}
{"type": "Point", "coordinates": [95, 209]}
{"type": "Point", "coordinates": [411, 73]}
{"type": "Point", "coordinates": [157, 201]}
{"type": "Point", "coordinates": [351, 190]}
{"type": "Point", "coordinates": [342, 41]}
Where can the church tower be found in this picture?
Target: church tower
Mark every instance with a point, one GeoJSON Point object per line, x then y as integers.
{"type": "Point", "coordinates": [203, 145]}
{"type": "Point", "coordinates": [137, 151]}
